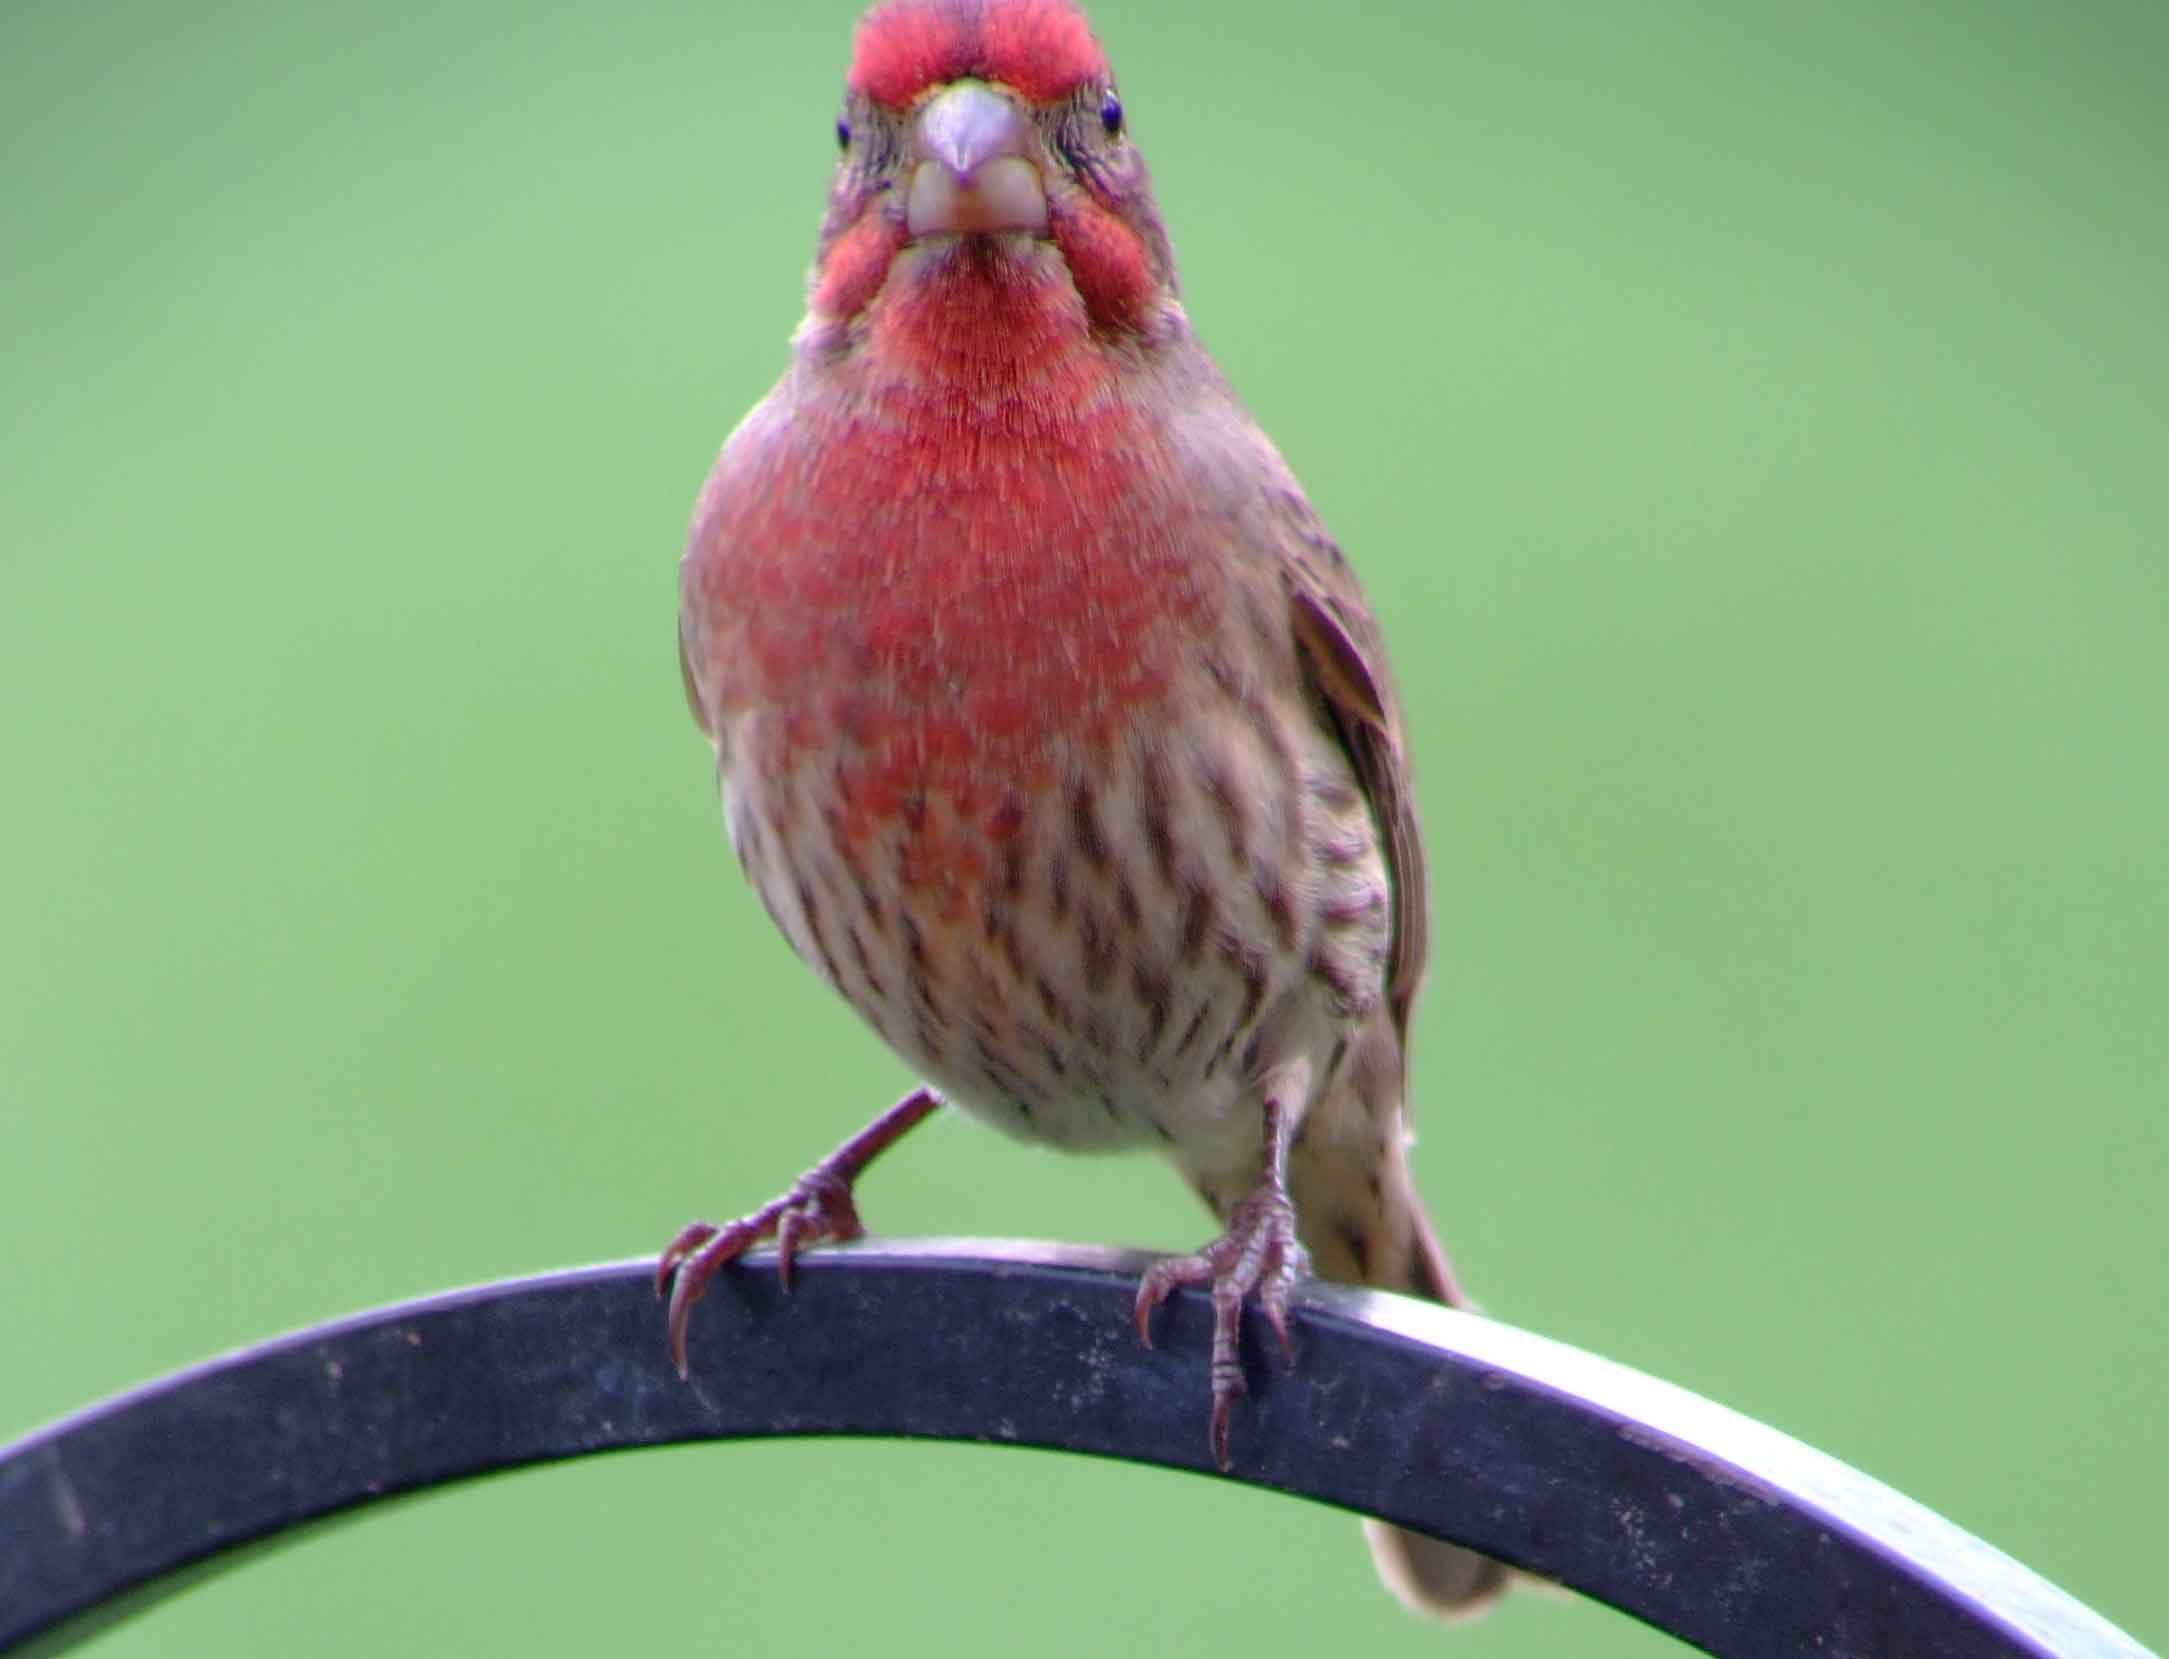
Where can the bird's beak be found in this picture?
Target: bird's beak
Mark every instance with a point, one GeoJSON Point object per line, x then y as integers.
{"type": "Point", "coordinates": [973, 170]}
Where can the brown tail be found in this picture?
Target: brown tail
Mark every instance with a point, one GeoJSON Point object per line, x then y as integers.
{"type": "Point", "coordinates": [1364, 1234]}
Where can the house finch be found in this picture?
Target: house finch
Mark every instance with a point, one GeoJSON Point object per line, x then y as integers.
{"type": "Point", "coordinates": [1053, 729]}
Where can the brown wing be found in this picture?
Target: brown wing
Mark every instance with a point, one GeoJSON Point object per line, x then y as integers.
{"type": "Point", "coordinates": [1345, 658]}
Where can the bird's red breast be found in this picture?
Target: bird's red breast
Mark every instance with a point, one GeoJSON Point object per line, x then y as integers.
{"type": "Point", "coordinates": [939, 566]}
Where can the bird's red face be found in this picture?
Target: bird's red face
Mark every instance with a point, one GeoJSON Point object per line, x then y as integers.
{"type": "Point", "coordinates": [977, 128]}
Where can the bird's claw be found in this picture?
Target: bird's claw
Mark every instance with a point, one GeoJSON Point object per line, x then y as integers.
{"type": "Point", "coordinates": [1259, 1256]}
{"type": "Point", "coordinates": [817, 1207]}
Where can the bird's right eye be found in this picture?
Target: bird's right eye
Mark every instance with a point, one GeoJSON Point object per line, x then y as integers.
{"type": "Point", "coordinates": [843, 133]}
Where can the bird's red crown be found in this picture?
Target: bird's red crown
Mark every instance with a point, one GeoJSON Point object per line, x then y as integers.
{"type": "Point", "coordinates": [1042, 50]}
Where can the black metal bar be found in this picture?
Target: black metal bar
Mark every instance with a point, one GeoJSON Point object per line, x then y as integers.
{"type": "Point", "coordinates": [1726, 1533]}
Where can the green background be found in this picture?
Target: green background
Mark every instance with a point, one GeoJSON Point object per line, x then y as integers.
{"type": "Point", "coordinates": [1752, 423]}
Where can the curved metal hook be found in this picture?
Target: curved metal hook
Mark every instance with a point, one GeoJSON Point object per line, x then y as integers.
{"type": "Point", "coordinates": [1717, 1529]}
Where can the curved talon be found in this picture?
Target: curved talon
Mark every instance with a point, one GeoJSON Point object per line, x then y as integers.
{"type": "Point", "coordinates": [1157, 1285]}
{"type": "Point", "coordinates": [693, 1269]}
{"type": "Point", "coordinates": [681, 1304]}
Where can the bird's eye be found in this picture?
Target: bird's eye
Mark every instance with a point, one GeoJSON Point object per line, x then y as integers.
{"type": "Point", "coordinates": [1111, 115]}
{"type": "Point", "coordinates": [843, 133]}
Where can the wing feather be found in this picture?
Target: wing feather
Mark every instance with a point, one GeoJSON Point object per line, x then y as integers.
{"type": "Point", "coordinates": [1343, 656]}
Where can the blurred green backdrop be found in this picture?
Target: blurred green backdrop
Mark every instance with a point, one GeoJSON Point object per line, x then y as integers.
{"type": "Point", "coordinates": [1752, 421]}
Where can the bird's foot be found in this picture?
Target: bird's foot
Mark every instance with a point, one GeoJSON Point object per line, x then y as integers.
{"type": "Point", "coordinates": [1259, 1256]}
{"type": "Point", "coordinates": [817, 1207]}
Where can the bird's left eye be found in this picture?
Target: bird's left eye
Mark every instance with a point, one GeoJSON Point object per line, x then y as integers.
{"type": "Point", "coordinates": [1111, 115]}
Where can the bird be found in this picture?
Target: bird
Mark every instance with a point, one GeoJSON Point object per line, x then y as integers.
{"type": "Point", "coordinates": [1052, 728]}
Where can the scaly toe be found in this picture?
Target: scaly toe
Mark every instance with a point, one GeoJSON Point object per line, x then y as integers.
{"type": "Point", "coordinates": [690, 1238]}
{"type": "Point", "coordinates": [1163, 1278]}
{"type": "Point", "coordinates": [1258, 1257]}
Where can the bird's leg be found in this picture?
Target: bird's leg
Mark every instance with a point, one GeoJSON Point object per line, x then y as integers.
{"type": "Point", "coordinates": [1259, 1255]}
{"type": "Point", "coordinates": [817, 1207]}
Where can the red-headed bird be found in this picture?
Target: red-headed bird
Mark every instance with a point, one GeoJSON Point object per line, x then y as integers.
{"type": "Point", "coordinates": [1053, 729]}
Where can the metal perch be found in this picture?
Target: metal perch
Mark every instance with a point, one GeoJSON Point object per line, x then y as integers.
{"type": "Point", "coordinates": [1725, 1533]}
